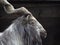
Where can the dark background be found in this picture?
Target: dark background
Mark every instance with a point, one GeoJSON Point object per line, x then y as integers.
{"type": "Point", "coordinates": [47, 13]}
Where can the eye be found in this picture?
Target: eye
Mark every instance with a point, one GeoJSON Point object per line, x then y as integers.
{"type": "Point", "coordinates": [26, 15]}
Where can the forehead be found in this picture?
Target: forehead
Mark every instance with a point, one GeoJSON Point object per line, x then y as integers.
{"type": "Point", "coordinates": [31, 20]}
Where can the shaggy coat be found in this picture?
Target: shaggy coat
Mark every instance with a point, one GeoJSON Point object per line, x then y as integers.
{"type": "Point", "coordinates": [25, 30]}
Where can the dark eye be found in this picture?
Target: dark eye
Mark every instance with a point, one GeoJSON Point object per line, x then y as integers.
{"type": "Point", "coordinates": [26, 15]}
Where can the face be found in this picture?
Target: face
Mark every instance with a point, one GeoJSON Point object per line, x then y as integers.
{"type": "Point", "coordinates": [33, 24]}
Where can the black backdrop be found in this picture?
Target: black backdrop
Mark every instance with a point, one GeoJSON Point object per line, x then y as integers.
{"type": "Point", "coordinates": [47, 13]}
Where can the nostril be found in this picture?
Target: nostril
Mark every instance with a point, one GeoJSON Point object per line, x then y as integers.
{"type": "Point", "coordinates": [43, 34]}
